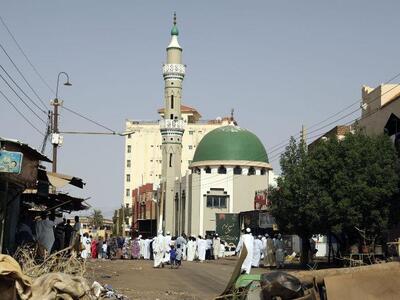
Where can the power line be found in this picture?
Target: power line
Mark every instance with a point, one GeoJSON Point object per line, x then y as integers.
{"type": "Point", "coordinates": [20, 113]}
{"type": "Point", "coordinates": [22, 91]}
{"type": "Point", "coordinates": [26, 57]}
{"type": "Point", "coordinates": [23, 101]}
{"type": "Point", "coordinates": [88, 119]}
{"type": "Point", "coordinates": [22, 75]}
{"type": "Point", "coordinates": [337, 113]}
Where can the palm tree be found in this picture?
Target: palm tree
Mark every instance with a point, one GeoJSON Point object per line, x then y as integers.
{"type": "Point", "coordinates": [96, 218]}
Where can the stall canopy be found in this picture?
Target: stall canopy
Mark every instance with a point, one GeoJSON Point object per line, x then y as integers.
{"type": "Point", "coordinates": [60, 180]}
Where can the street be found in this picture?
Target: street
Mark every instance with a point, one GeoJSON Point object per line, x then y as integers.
{"type": "Point", "coordinates": [137, 279]}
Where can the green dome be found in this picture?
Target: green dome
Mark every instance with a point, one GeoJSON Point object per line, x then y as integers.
{"type": "Point", "coordinates": [230, 143]}
{"type": "Point", "coordinates": [174, 30]}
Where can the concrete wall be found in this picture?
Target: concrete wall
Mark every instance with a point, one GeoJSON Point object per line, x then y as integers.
{"type": "Point", "coordinates": [379, 104]}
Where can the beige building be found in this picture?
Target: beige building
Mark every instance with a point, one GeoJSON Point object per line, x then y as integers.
{"type": "Point", "coordinates": [143, 148]}
{"type": "Point", "coordinates": [230, 164]}
{"type": "Point", "coordinates": [378, 105]}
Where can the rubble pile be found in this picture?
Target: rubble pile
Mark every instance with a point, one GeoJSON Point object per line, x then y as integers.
{"type": "Point", "coordinates": [15, 284]}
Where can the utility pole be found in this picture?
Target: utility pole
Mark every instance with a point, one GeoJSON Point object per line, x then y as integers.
{"type": "Point", "coordinates": [56, 138]}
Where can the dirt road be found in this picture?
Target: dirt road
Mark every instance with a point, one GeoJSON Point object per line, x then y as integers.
{"type": "Point", "coordinates": [138, 279]}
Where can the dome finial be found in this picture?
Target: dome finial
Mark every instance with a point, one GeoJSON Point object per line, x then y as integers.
{"type": "Point", "coordinates": [174, 30]}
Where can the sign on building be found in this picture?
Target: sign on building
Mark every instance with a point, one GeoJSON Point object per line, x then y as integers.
{"type": "Point", "coordinates": [10, 162]}
{"type": "Point", "coordinates": [228, 227]}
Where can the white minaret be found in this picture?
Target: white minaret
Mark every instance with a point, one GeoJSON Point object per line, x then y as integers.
{"type": "Point", "coordinates": [171, 128]}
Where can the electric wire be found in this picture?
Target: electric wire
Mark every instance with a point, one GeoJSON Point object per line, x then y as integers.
{"type": "Point", "coordinates": [22, 91]}
{"type": "Point", "coordinates": [23, 101]}
{"type": "Point", "coordinates": [26, 56]}
{"type": "Point", "coordinates": [88, 119]}
{"type": "Point", "coordinates": [22, 75]}
{"type": "Point", "coordinates": [20, 113]}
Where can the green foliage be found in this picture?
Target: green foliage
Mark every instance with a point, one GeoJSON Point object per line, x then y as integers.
{"type": "Point", "coordinates": [96, 218]}
{"type": "Point", "coordinates": [337, 186]}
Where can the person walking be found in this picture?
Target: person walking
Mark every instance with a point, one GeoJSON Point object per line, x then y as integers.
{"type": "Point", "coordinates": [216, 246]}
{"type": "Point", "coordinates": [257, 250]}
{"type": "Point", "coordinates": [201, 248]}
{"type": "Point", "coordinates": [59, 236]}
{"type": "Point", "coordinates": [269, 252]}
{"type": "Point", "coordinates": [159, 250]}
{"type": "Point", "coordinates": [246, 240]}
{"type": "Point", "coordinates": [45, 232]}
{"type": "Point", "coordinates": [68, 233]}
{"type": "Point", "coordinates": [191, 249]}
{"type": "Point", "coordinates": [279, 252]}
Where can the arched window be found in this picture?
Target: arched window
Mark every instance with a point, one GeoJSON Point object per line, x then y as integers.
{"type": "Point", "coordinates": [207, 170]}
{"type": "Point", "coordinates": [221, 170]}
{"type": "Point", "coordinates": [263, 171]}
{"type": "Point", "coordinates": [252, 171]}
{"type": "Point", "coordinates": [237, 170]}
{"type": "Point", "coordinates": [172, 101]}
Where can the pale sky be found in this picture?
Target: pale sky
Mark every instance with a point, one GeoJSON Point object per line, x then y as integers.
{"type": "Point", "coordinates": [279, 64]}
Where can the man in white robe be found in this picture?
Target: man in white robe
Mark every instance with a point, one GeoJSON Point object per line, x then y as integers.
{"type": "Point", "coordinates": [141, 245]}
{"type": "Point", "coordinates": [159, 250]}
{"type": "Point", "coordinates": [146, 252]}
{"type": "Point", "coordinates": [257, 250]}
{"type": "Point", "coordinates": [191, 249]}
{"type": "Point", "coordinates": [201, 248]}
{"type": "Point", "coordinates": [45, 232]}
{"type": "Point", "coordinates": [216, 246]}
{"type": "Point", "coordinates": [247, 240]}
{"type": "Point", "coordinates": [167, 248]}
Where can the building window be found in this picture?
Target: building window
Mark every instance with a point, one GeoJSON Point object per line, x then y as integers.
{"type": "Point", "coordinates": [207, 170]}
{"type": "Point", "coordinates": [191, 132]}
{"type": "Point", "coordinates": [129, 149]}
{"type": "Point", "coordinates": [129, 136]}
{"type": "Point", "coordinates": [189, 162]}
{"type": "Point", "coordinates": [237, 170]}
{"type": "Point", "coordinates": [216, 201]}
{"type": "Point", "coordinates": [128, 163]}
{"type": "Point", "coordinates": [171, 116]}
{"type": "Point", "coordinates": [170, 159]}
{"type": "Point", "coordinates": [263, 171]}
{"type": "Point", "coordinates": [127, 192]}
{"type": "Point", "coordinates": [172, 101]}
{"type": "Point", "coordinates": [190, 147]}
{"type": "Point", "coordinates": [252, 171]}
{"type": "Point", "coordinates": [128, 177]}
{"type": "Point", "coordinates": [221, 170]}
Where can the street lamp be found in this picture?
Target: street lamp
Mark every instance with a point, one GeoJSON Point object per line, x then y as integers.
{"type": "Point", "coordinates": [56, 139]}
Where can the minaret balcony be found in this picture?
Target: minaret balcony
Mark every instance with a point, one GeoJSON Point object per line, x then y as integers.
{"type": "Point", "coordinates": [173, 71]}
{"type": "Point", "coordinates": [172, 124]}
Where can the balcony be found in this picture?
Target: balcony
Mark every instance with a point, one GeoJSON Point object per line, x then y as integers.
{"type": "Point", "coordinates": [172, 124]}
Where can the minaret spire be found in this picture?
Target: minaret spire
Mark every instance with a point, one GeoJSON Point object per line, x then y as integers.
{"type": "Point", "coordinates": [172, 129]}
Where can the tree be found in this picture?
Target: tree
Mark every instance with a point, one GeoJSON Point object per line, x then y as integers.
{"type": "Point", "coordinates": [293, 207]}
{"type": "Point", "coordinates": [361, 183]}
{"type": "Point", "coordinates": [96, 218]}
{"type": "Point", "coordinates": [338, 186]}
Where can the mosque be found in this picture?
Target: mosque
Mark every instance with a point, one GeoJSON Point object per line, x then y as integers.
{"type": "Point", "coordinates": [229, 165]}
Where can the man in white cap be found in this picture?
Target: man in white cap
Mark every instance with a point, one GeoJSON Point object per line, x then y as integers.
{"type": "Point", "coordinates": [167, 256]}
{"type": "Point", "coordinates": [216, 245]}
{"type": "Point", "coordinates": [159, 250]}
{"type": "Point", "coordinates": [257, 250]}
{"type": "Point", "coordinates": [248, 241]}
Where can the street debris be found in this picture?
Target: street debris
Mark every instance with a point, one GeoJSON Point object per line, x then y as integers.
{"type": "Point", "coordinates": [38, 285]}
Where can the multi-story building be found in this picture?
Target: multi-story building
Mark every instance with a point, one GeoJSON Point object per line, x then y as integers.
{"type": "Point", "coordinates": [380, 108]}
{"type": "Point", "coordinates": [143, 148]}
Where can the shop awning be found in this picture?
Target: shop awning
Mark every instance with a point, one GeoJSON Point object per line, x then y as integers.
{"type": "Point", "coordinates": [60, 180]}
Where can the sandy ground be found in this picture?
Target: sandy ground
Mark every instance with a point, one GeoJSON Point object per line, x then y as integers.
{"type": "Point", "coordinates": [139, 280]}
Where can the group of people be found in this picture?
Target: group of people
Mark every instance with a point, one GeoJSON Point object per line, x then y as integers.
{"type": "Point", "coordinates": [163, 249]}
{"type": "Point", "coordinates": [270, 250]}
{"type": "Point", "coordinates": [50, 235]}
